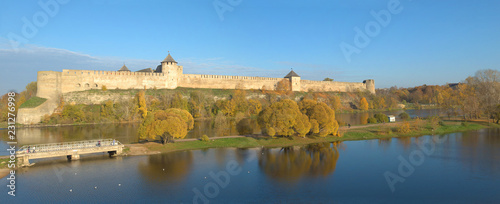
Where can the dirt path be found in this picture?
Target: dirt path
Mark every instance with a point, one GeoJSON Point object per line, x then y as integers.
{"type": "Point", "coordinates": [212, 138]}
{"type": "Point", "coordinates": [369, 125]}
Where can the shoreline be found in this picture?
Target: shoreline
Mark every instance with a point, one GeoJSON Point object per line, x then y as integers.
{"type": "Point", "coordinates": [355, 133]}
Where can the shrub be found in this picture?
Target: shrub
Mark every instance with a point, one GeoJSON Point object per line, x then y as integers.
{"type": "Point", "coordinates": [104, 88]}
{"type": "Point", "coordinates": [381, 118]}
{"type": "Point", "coordinates": [372, 120]}
{"type": "Point", "coordinates": [205, 138]}
{"type": "Point", "coordinates": [464, 124]}
{"type": "Point", "coordinates": [404, 116]}
{"type": "Point", "coordinates": [441, 123]}
{"type": "Point", "coordinates": [434, 122]}
{"type": "Point", "coordinates": [404, 128]}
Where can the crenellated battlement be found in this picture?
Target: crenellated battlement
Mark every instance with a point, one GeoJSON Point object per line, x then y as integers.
{"type": "Point", "coordinates": [74, 72]}
{"type": "Point", "coordinates": [170, 75]}
{"type": "Point", "coordinates": [208, 76]}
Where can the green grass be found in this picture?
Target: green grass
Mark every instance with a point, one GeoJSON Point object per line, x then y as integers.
{"type": "Point", "coordinates": [33, 102]}
{"type": "Point", "coordinates": [4, 163]}
{"type": "Point", "coordinates": [367, 133]}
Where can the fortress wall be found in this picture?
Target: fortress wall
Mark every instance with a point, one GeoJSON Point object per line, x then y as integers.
{"type": "Point", "coordinates": [48, 84]}
{"type": "Point", "coordinates": [79, 80]}
{"type": "Point", "coordinates": [226, 82]}
{"type": "Point", "coordinates": [307, 85]}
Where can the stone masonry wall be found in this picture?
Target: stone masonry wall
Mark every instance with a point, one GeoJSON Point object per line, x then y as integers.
{"type": "Point", "coordinates": [307, 85]}
{"type": "Point", "coordinates": [79, 80]}
{"type": "Point", "coordinates": [227, 82]}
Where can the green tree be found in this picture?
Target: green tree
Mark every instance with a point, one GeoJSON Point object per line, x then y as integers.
{"type": "Point", "coordinates": [108, 110]}
{"type": "Point", "coordinates": [404, 116]}
{"type": "Point", "coordinates": [381, 118]}
{"type": "Point", "coordinates": [327, 79]}
{"type": "Point", "coordinates": [372, 120]}
{"type": "Point", "coordinates": [73, 113]}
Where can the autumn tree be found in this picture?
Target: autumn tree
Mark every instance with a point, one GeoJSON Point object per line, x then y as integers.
{"type": "Point", "coordinates": [166, 125]}
{"type": "Point", "coordinates": [239, 99]}
{"type": "Point", "coordinates": [321, 116]}
{"type": "Point", "coordinates": [254, 107]}
{"type": "Point", "coordinates": [178, 101]}
{"type": "Point", "coordinates": [496, 114]}
{"type": "Point", "coordinates": [284, 87]}
{"type": "Point", "coordinates": [73, 113]}
{"type": "Point", "coordinates": [197, 103]}
{"type": "Point", "coordinates": [226, 107]}
{"type": "Point", "coordinates": [487, 85]}
{"type": "Point", "coordinates": [467, 100]}
{"type": "Point", "coordinates": [335, 102]}
{"type": "Point", "coordinates": [31, 89]}
{"type": "Point", "coordinates": [107, 109]}
{"type": "Point", "coordinates": [285, 119]}
{"type": "Point", "coordinates": [140, 101]}
{"type": "Point", "coordinates": [363, 104]}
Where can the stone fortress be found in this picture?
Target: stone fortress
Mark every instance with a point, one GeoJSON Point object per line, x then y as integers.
{"type": "Point", "coordinates": [169, 75]}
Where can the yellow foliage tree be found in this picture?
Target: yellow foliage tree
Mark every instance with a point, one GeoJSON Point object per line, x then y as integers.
{"type": "Point", "coordinates": [363, 104]}
{"type": "Point", "coordinates": [166, 124]}
{"type": "Point", "coordinates": [404, 127]}
{"type": "Point", "coordinates": [140, 101]}
{"type": "Point", "coordinates": [285, 119]}
{"type": "Point", "coordinates": [321, 116]}
{"type": "Point", "coordinates": [335, 101]}
{"type": "Point", "coordinates": [254, 106]}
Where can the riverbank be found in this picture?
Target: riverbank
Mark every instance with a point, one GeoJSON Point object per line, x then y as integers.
{"type": "Point", "coordinates": [364, 132]}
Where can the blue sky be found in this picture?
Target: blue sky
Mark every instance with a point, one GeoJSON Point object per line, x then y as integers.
{"type": "Point", "coordinates": [425, 42]}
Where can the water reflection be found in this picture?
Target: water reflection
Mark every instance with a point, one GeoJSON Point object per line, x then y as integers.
{"type": "Point", "coordinates": [293, 163]}
{"type": "Point", "coordinates": [171, 167]}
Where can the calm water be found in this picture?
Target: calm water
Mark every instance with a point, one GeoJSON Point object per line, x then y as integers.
{"type": "Point", "coordinates": [452, 168]}
{"type": "Point", "coordinates": [361, 118]}
{"type": "Point", "coordinates": [127, 133]}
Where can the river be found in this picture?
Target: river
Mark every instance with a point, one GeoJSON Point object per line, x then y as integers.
{"type": "Point", "coordinates": [452, 168]}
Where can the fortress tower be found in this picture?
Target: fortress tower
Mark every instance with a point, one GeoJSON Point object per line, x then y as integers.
{"type": "Point", "coordinates": [171, 70]}
{"type": "Point", "coordinates": [370, 85]}
{"type": "Point", "coordinates": [294, 80]}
